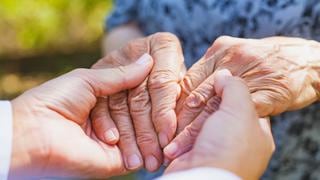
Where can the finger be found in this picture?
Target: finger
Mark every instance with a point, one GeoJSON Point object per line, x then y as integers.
{"type": "Point", "coordinates": [147, 139]}
{"type": "Point", "coordinates": [265, 125]}
{"type": "Point", "coordinates": [195, 102]}
{"type": "Point", "coordinates": [198, 73]}
{"type": "Point", "coordinates": [102, 123]}
{"type": "Point", "coordinates": [185, 140]}
{"type": "Point", "coordinates": [129, 53]}
{"type": "Point", "coordinates": [224, 42]}
{"type": "Point", "coordinates": [91, 159]}
{"type": "Point", "coordinates": [206, 65]}
{"type": "Point", "coordinates": [181, 163]}
{"type": "Point", "coordinates": [163, 84]}
{"type": "Point", "coordinates": [109, 81]}
{"type": "Point", "coordinates": [225, 86]}
{"type": "Point", "coordinates": [266, 128]}
{"type": "Point", "coordinates": [119, 111]}
{"type": "Point", "coordinates": [234, 94]}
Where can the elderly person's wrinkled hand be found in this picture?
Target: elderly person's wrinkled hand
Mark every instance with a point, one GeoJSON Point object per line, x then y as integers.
{"type": "Point", "coordinates": [142, 119]}
{"type": "Point", "coordinates": [282, 74]}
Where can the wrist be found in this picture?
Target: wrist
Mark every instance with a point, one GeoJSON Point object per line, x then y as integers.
{"type": "Point", "coordinates": [206, 162]}
{"type": "Point", "coordinates": [29, 148]}
{"type": "Point", "coordinates": [222, 161]}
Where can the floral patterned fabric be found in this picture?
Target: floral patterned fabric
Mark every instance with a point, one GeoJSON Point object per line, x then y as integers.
{"type": "Point", "coordinates": [198, 23]}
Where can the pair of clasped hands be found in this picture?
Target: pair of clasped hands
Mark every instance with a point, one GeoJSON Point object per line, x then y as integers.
{"type": "Point", "coordinates": [139, 107]}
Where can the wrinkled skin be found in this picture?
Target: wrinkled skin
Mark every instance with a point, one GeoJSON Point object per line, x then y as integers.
{"type": "Point", "coordinates": [229, 138]}
{"type": "Point", "coordinates": [143, 119]}
{"type": "Point", "coordinates": [282, 74]}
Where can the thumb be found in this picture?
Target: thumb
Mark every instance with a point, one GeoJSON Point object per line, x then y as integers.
{"type": "Point", "coordinates": [233, 91]}
{"type": "Point", "coordinates": [105, 82]}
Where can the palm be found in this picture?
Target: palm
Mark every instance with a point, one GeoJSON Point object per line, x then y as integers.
{"type": "Point", "coordinates": [87, 145]}
{"type": "Point", "coordinates": [66, 130]}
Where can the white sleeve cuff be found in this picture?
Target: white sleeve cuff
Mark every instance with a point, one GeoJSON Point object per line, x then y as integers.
{"type": "Point", "coordinates": [203, 173]}
{"type": "Point", "coordinates": [5, 138]}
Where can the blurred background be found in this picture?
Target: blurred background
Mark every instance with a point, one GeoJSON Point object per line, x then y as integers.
{"type": "Point", "coordinates": [41, 39]}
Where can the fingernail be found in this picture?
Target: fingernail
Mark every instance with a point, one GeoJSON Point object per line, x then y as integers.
{"type": "Point", "coordinates": [171, 150]}
{"type": "Point", "coordinates": [144, 59]}
{"type": "Point", "coordinates": [133, 161]}
{"type": "Point", "coordinates": [163, 139]}
{"type": "Point", "coordinates": [166, 162]}
{"type": "Point", "coordinates": [192, 101]}
{"type": "Point", "coordinates": [110, 136]}
{"type": "Point", "coordinates": [151, 163]}
{"type": "Point", "coordinates": [220, 78]}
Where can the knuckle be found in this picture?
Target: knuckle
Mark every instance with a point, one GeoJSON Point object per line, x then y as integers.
{"type": "Point", "coordinates": [236, 50]}
{"type": "Point", "coordinates": [145, 138]}
{"type": "Point", "coordinates": [195, 100]}
{"type": "Point", "coordinates": [221, 40]}
{"type": "Point", "coordinates": [164, 41]}
{"type": "Point", "coordinates": [206, 89]}
{"type": "Point", "coordinates": [162, 79]}
{"type": "Point", "coordinates": [126, 133]}
{"type": "Point", "coordinates": [191, 132]}
{"type": "Point", "coordinates": [79, 72]}
{"type": "Point", "coordinates": [162, 121]}
{"type": "Point", "coordinates": [159, 113]}
{"type": "Point", "coordinates": [140, 104]}
{"type": "Point", "coordinates": [118, 102]}
{"type": "Point", "coordinates": [201, 94]}
{"type": "Point", "coordinates": [165, 37]}
{"type": "Point", "coordinates": [218, 44]}
{"type": "Point", "coordinates": [187, 86]}
{"type": "Point", "coordinates": [189, 111]}
{"type": "Point", "coordinates": [84, 77]}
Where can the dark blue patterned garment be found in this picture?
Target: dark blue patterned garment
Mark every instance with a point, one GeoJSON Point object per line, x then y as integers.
{"type": "Point", "coordinates": [198, 23]}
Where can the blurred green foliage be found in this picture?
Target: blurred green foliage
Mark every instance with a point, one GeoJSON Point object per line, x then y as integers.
{"type": "Point", "coordinates": [29, 27]}
{"type": "Point", "coordinates": [40, 39]}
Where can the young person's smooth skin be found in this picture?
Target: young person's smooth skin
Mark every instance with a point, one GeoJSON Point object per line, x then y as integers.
{"type": "Point", "coordinates": [52, 135]}
{"type": "Point", "coordinates": [233, 138]}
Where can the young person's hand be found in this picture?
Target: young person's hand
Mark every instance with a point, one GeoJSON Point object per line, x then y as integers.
{"type": "Point", "coordinates": [52, 135]}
